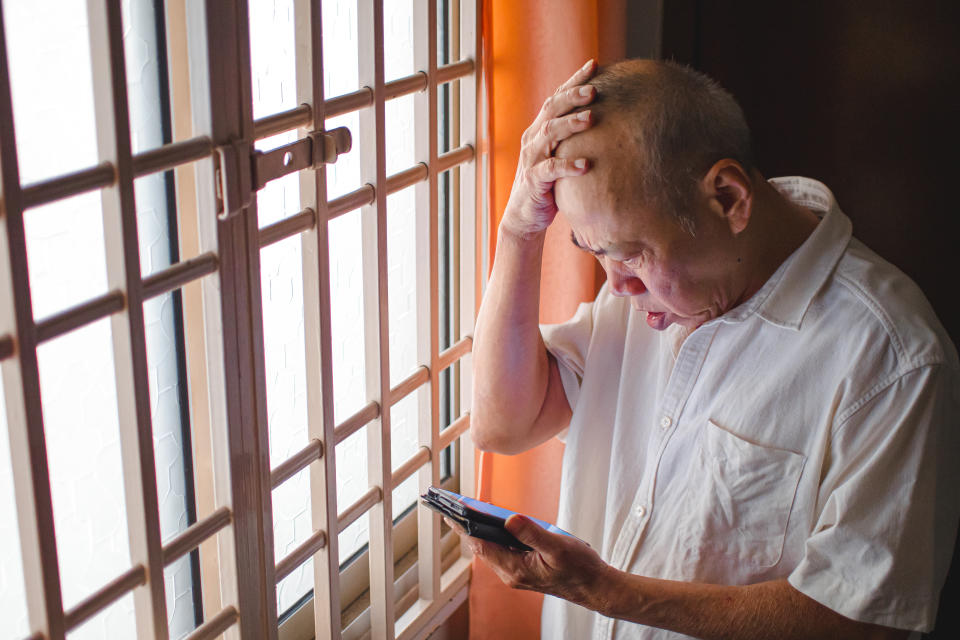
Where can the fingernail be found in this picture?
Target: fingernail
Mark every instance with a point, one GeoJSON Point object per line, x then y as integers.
{"type": "Point", "coordinates": [585, 90]}
{"type": "Point", "coordinates": [589, 64]}
{"type": "Point", "coordinates": [584, 115]}
{"type": "Point", "coordinates": [580, 163]}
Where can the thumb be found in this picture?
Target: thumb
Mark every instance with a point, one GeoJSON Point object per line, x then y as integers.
{"type": "Point", "coordinates": [526, 530]}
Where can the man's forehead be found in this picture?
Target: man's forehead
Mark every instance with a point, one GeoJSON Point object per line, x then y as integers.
{"type": "Point", "coordinates": [614, 161]}
{"type": "Point", "coordinates": [611, 182]}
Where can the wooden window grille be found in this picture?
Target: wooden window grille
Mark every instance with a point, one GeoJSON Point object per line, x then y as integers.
{"type": "Point", "coordinates": [219, 172]}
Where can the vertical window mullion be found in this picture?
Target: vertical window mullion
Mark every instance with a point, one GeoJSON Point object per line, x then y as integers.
{"type": "Point", "coordinates": [127, 328]}
{"type": "Point", "coordinates": [376, 317]}
{"type": "Point", "coordinates": [222, 108]}
{"type": "Point", "coordinates": [428, 320]}
{"type": "Point", "coordinates": [21, 383]}
{"type": "Point", "coordinates": [471, 218]}
{"type": "Point", "coordinates": [318, 330]}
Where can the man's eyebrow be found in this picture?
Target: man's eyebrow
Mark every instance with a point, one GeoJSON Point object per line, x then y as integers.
{"type": "Point", "coordinates": [573, 239]}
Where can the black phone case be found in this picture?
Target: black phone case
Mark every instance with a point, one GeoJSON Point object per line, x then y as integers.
{"type": "Point", "coordinates": [476, 524]}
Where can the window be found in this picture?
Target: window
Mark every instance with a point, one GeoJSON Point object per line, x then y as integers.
{"type": "Point", "coordinates": [266, 256]}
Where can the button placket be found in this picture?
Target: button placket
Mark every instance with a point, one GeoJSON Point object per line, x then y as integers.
{"type": "Point", "coordinates": [690, 359]}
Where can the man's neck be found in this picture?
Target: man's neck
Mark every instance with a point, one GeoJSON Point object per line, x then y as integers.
{"type": "Point", "coordinates": [777, 228]}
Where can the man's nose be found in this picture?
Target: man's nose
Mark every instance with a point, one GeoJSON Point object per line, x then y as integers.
{"type": "Point", "coordinates": [623, 283]}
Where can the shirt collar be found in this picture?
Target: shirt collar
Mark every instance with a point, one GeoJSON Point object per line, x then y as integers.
{"type": "Point", "coordinates": [785, 297]}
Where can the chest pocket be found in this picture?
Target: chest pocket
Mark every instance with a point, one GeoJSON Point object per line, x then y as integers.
{"type": "Point", "coordinates": [738, 499]}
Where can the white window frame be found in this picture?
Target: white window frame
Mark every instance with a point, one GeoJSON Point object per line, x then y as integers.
{"type": "Point", "coordinates": [214, 162]}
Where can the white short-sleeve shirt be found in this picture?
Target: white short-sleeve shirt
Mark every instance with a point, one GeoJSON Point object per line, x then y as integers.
{"type": "Point", "coordinates": [810, 434]}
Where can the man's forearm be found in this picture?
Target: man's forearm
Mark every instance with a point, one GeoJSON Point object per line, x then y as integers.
{"type": "Point", "coordinates": [509, 360]}
{"type": "Point", "coordinates": [716, 612]}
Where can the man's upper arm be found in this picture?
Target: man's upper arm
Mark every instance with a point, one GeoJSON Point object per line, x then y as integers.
{"type": "Point", "coordinates": [555, 412]}
{"type": "Point", "coordinates": [566, 345]}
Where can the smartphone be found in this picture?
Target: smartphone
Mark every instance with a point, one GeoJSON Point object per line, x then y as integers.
{"type": "Point", "coordinates": [479, 519]}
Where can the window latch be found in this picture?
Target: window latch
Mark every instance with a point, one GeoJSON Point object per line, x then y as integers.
{"type": "Point", "coordinates": [317, 149]}
{"type": "Point", "coordinates": [244, 170]}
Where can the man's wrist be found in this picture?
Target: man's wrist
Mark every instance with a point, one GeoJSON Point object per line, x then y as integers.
{"type": "Point", "coordinates": [607, 591]}
{"type": "Point", "coordinates": [510, 232]}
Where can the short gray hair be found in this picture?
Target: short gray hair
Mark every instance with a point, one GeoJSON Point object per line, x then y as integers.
{"type": "Point", "coordinates": [684, 123]}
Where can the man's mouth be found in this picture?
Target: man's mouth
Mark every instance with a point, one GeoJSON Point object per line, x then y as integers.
{"type": "Point", "coordinates": [656, 319]}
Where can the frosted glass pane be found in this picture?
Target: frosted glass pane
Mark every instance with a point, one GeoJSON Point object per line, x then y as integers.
{"type": "Point", "coordinates": [400, 136]}
{"type": "Point", "coordinates": [178, 585]}
{"type": "Point", "coordinates": [150, 195]}
{"type": "Point", "coordinates": [403, 428]}
{"type": "Point", "coordinates": [343, 175]}
{"type": "Point", "coordinates": [346, 309]}
{"type": "Point", "coordinates": [166, 411]}
{"type": "Point", "coordinates": [65, 253]}
{"type": "Point", "coordinates": [405, 496]}
{"type": "Point", "coordinates": [398, 38]}
{"type": "Point", "coordinates": [292, 588]}
{"type": "Point", "coordinates": [402, 248]}
{"type": "Point", "coordinates": [142, 57]}
{"type": "Point", "coordinates": [271, 56]}
{"type": "Point", "coordinates": [51, 82]}
{"type": "Point", "coordinates": [116, 621]}
{"type": "Point", "coordinates": [354, 538]}
{"type": "Point", "coordinates": [351, 484]}
{"type": "Point", "coordinates": [282, 292]}
{"type": "Point", "coordinates": [340, 70]}
{"type": "Point", "coordinates": [292, 526]}
{"type": "Point", "coordinates": [83, 448]}
{"type": "Point", "coordinates": [13, 602]}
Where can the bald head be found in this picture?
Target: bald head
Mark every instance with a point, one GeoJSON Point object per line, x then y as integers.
{"type": "Point", "coordinates": [659, 128]}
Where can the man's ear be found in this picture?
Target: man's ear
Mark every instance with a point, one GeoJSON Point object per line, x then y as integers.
{"type": "Point", "coordinates": [730, 193]}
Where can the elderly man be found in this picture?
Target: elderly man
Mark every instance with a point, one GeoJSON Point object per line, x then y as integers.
{"type": "Point", "coordinates": [759, 412]}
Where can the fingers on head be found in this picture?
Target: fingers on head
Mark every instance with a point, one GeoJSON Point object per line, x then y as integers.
{"type": "Point", "coordinates": [558, 129]}
{"type": "Point", "coordinates": [553, 168]}
{"type": "Point", "coordinates": [581, 74]}
{"type": "Point", "coordinates": [541, 141]}
{"type": "Point", "coordinates": [556, 120]}
{"type": "Point", "coordinates": [566, 99]}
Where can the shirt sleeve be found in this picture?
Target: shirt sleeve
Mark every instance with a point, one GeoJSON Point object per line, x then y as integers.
{"type": "Point", "coordinates": [882, 544]}
{"type": "Point", "coordinates": [569, 343]}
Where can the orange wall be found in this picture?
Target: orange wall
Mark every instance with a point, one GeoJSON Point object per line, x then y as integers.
{"type": "Point", "coordinates": [532, 46]}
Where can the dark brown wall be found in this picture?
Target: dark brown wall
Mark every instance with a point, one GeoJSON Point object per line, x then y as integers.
{"type": "Point", "coordinates": [864, 96]}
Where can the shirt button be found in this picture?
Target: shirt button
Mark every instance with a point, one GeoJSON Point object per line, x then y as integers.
{"type": "Point", "coordinates": [641, 511]}
{"type": "Point", "coordinates": [665, 422]}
